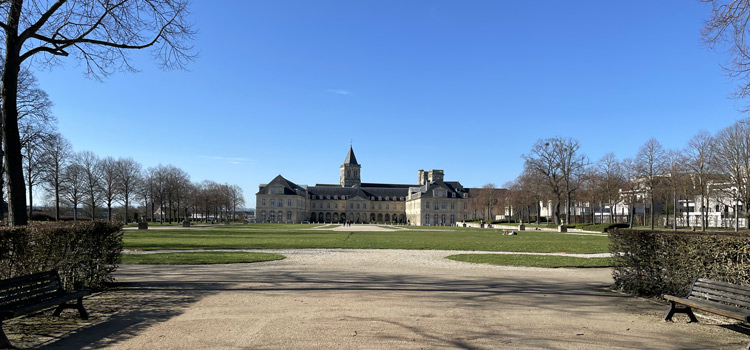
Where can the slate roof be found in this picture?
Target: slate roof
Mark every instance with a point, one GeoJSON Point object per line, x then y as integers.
{"type": "Point", "coordinates": [289, 187]}
{"type": "Point", "coordinates": [360, 191]}
{"type": "Point", "coordinates": [350, 158]}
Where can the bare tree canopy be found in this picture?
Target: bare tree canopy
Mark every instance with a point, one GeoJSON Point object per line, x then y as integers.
{"type": "Point", "coordinates": [99, 33]}
{"type": "Point", "coordinates": [728, 26]}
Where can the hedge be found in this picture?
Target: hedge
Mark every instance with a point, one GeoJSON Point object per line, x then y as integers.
{"type": "Point", "coordinates": [652, 263]}
{"type": "Point", "coordinates": [602, 227]}
{"type": "Point", "coordinates": [85, 254]}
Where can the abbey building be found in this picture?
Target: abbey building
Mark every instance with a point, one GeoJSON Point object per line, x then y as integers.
{"type": "Point", "coordinates": [431, 202]}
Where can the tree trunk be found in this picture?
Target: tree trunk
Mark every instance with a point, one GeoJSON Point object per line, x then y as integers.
{"type": "Point", "coordinates": [57, 200]}
{"type": "Point", "coordinates": [126, 208]}
{"type": "Point", "coordinates": [109, 212]}
{"type": "Point", "coordinates": [11, 138]}
{"type": "Point", "coordinates": [31, 201]}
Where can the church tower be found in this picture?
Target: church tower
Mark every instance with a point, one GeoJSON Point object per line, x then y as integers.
{"type": "Point", "coordinates": [350, 170]}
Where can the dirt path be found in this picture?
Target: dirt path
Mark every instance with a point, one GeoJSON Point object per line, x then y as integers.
{"type": "Point", "coordinates": [376, 299]}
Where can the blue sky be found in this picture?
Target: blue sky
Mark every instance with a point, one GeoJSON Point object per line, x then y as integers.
{"type": "Point", "coordinates": [283, 87]}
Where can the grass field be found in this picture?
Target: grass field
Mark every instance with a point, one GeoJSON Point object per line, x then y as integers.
{"type": "Point", "coordinates": [199, 258]}
{"type": "Point", "coordinates": [279, 236]}
{"type": "Point", "coordinates": [532, 260]}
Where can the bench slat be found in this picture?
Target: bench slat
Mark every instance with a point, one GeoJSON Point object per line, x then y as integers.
{"type": "Point", "coordinates": [712, 296]}
{"type": "Point", "coordinates": [26, 309]}
{"type": "Point", "coordinates": [20, 280]}
{"type": "Point", "coordinates": [723, 286]}
{"type": "Point", "coordinates": [720, 292]}
{"type": "Point", "coordinates": [36, 288]}
{"type": "Point", "coordinates": [25, 294]}
{"type": "Point", "coordinates": [716, 308]}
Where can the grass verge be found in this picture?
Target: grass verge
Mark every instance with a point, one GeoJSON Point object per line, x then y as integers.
{"type": "Point", "coordinates": [199, 258]}
{"type": "Point", "coordinates": [261, 236]}
{"type": "Point", "coordinates": [532, 260]}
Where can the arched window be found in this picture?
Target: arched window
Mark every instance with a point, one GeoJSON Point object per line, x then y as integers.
{"type": "Point", "coordinates": [427, 220]}
{"type": "Point", "coordinates": [387, 217]}
{"type": "Point", "coordinates": [289, 216]}
{"type": "Point", "coordinates": [263, 216]}
{"type": "Point", "coordinates": [281, 215]}
{"type": "Point", "coordinates": [321, 217]}
{"type": "Point", "coordinates": [442, 221]}
{"type": "Point", "coordinates": [272, 217]}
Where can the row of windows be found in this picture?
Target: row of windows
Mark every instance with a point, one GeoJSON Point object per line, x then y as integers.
{"type": "Point", "coordinates": [442, 206]}
{"type": "Point", "coordinates": [438, 220]}
{"type": "Point", "coordinates": [275, 216]}
{"type": "Point", "coordinates": [279, 202]}
{"type": "Point", "coordinates": [373, 198]}
{"type": "Point", "coordinates": [351, 206]}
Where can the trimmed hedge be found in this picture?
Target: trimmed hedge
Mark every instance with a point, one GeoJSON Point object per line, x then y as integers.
{"type": "Point", "coordinates": [603, 227]}
{"type": "Point", "coordinates": [85, 254]}
{"type": "Point", "coordinates": [652, 263]}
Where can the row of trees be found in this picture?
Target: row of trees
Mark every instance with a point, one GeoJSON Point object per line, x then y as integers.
{"type": "Point", "coordinates": [709, 167]}
{"type": "Point", "coordinates": [82, 179]}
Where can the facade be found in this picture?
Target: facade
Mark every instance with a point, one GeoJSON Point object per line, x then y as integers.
{"type": "Point", "coordinates": [431, 201]}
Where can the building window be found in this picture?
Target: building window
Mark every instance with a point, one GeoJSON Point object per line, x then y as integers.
{"type": "Point", "coordinates": [351, 205]}
{"type": "Point", "coordinates": [273, 216]}
{"type": "Point", "coordinates": [263, 216]}
{"type": "Point", "coordinates": [453, 206]}
{"type": "Point", "coordinates": [464, 209]}
{"type": "Point", "coordinates": [427, 206]}
{"type": "Point", "coordinates": [387, 206]}
{"type": "Point", "coordinates": [364, 206]}
{"type": "Point", "coordinates": [453, 218]}
{"type": "Point", "coordinates": [436, 219]}
{"type": "Point", "coordinates": [442, 206]}
{"type": "Point", "coordinates": [442, 220]}
{"type": "Point", "coordinates": [289, 216]}
{"type": "Point", "coordinates": [336, 205]}
{"type": "Point", "coordinates": [288, 202]}
{"type": "Point", "coordinates": [380, 206]}
{"type": "Point", "coordinates": [436, 207]}
{"type": "Point", "coordinates": [313, 205]}
{"type": "Point", "coordinates": [263, 202]}
{"type": "Point", "coordinates": [427, 220]}
{"type": "Point", "coordinates": [329, 205]}
{"type": "Point", "coordinates": [281, 215]}
{"type": "Point", "coordinates": [273, 202]}
{"type": "Point", "coordinates": [281, 203]}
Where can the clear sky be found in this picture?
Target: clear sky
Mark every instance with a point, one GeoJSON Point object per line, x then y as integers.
{"type": "Point", "coordinates": [283, 87]}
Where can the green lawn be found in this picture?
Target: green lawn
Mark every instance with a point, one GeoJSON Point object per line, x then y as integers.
{"type": "Point", "coordinates": [532, 260]}
{"type": "Point", "coordinates": [279, 236]}
{"type": "Point", "coordinates": [199, 258]}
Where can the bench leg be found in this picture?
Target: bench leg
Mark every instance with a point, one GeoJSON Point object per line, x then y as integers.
{"type": "Point", "coordinates": [4, 342]}
{"type": "Point", "coordinates": [673, 309]}
{"type": "Point", "coordinates": [78, 306]}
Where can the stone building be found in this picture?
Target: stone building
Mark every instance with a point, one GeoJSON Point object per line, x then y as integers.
{"type": "Point", "coordinates": [430, 202]}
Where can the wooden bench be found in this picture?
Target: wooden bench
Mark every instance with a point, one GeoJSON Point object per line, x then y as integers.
{"type": "Point", "coordinates": [721, 298]}
{"type": "Point", "coordinates": [26, 294]}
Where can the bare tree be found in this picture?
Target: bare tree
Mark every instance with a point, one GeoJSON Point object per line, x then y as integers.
{"type": "Point", "coordinates": [109, 183]}
{"type": "Point", "coordinates": [674, 171]}
{"type": "Point", "coordinates": [700, 153]}
{"type": "Point", "coordinates": [34, 116]}
{"type": "Point", "coordinates": [650, 163]}
{"type": "Point", "coordinates": [34, 165]}
{"type": "Point", "coordinates": [632, 186]}
{"type": "Point", "coordinates": [58, 151]}
{"type": "Point", "coordinates": [92, 174]}
{"type": "Point", "coordinates": [72, 186]}
{"type": "Point", "coordinates": [728, 26]}
{"type": "Point", "coordinates": [128, 180]}
{"type": "Point", "coordinates": [733, 158]}
{"type": "Point", "coordinates": [612, 180]}
{"type": "Point", "coordinates": [559, 162]}
{"type": "Point", "coordinates": [99, 33]}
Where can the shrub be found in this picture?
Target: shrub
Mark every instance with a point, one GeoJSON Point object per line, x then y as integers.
{"type": "Point", "coordinates": [603, 227]}
{"type": "Point", "coordinates": [83, 253]}
{"type": "Point", "coordinates": [652, 263]}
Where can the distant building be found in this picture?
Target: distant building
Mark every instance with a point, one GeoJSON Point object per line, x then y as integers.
{"type": "Point", "coordinates": [432, 201]}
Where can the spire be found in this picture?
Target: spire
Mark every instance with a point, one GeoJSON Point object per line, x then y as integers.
{"type": "Point", "coordinates": [350, 158]}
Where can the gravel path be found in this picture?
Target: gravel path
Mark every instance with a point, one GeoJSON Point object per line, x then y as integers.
{"type": "Point", "coordinates": [377, 299]}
